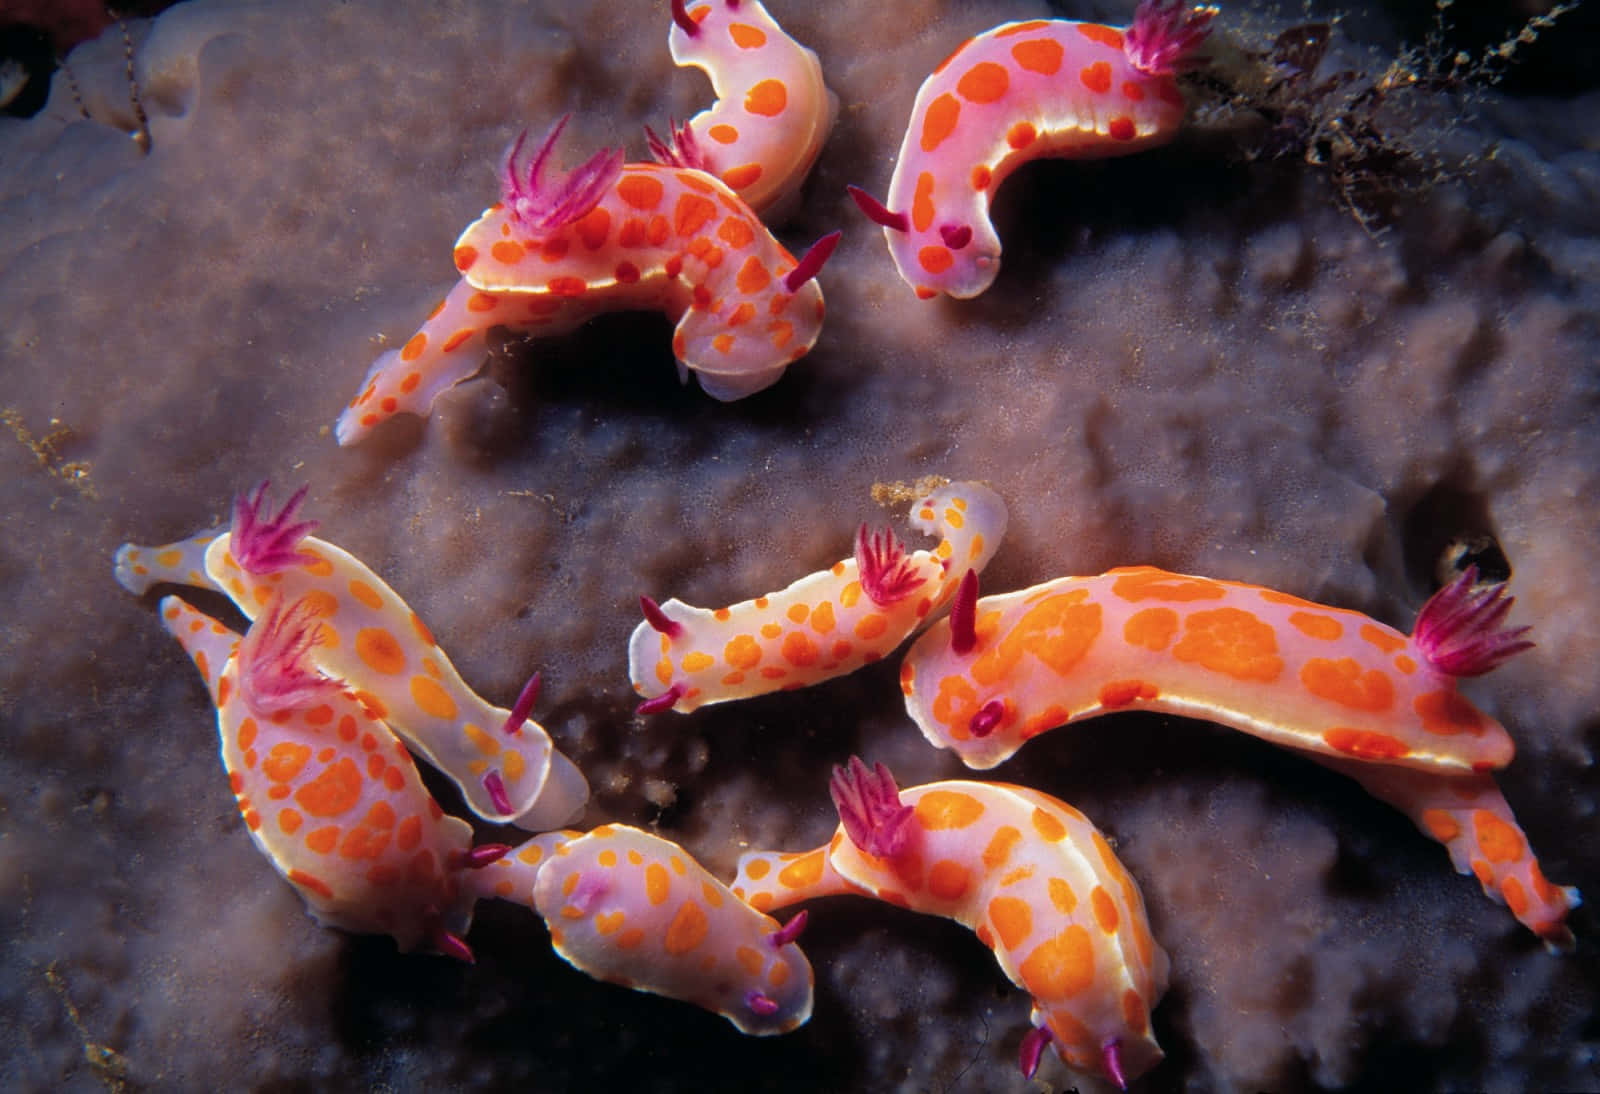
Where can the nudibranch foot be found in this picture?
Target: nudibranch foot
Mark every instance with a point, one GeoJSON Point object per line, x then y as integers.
{"type": "Point", "coordinates": [1459, 630]}
{"type": "Point", "coordinates": [542, 205]}
{"type": "Point", "coordinates": [824, 625]}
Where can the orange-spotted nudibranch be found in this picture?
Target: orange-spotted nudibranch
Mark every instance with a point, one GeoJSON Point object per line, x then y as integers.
{"type": "Point", "coordinates": [609, 236]}
{"type": "Point", "coordinates": [825, 624]}
{"type": "Point", "coordinates": [1340, 687]}
{"type": "Point", "coordinates": [1020, 92]}
{"type": "Point", "coordinates": [370, 639]}
{"type": "Point", "coordinates": [328, 794]}
{"type": "Point", "coordinates": [1030, 874]}
{"type": "Point", "coordinates": [773, 110]}
{"type": "Point", "coordinates": [633, 909]}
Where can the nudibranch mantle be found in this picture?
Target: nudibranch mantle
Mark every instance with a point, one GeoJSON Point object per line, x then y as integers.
{"type": "Point", "coordinates": [824, 625]}
{"type": "Point", "coordinates": [633, 909]}
{"type": "Point", "coordinates": [609, 236]}
{"type": "Point", "coordinates": [370, 639]}
{"type": "Point", "coordinates": [773, 110]}
{"type": "Point", "coordinates": [1019, 92]}
{"type": "Point", "coordinates": [1028, 873]}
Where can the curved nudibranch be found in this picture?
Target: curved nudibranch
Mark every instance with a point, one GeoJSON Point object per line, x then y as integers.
{"type": "Point", "coordinates": [1030, 874]}
{"type": "Point", "coordinates": [1020, 92]}
{"type": "Point", "coordinates": [609, 236]}
{"type": "Point", "coordinates": [773, 110]}
{"type": "Point", "coordinates": [1334, 684]}
{"type": "Point", "coordinates": [633, 909]}
{"type": "Point", "coordinates": [824, 625]}
{"type": "Point", "coordinates": [328, 794]}
{"type": "Point", "coordinates": [369, 638]}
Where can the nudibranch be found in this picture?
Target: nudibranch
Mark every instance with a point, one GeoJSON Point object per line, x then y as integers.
{"type": "Point", "coordinates": [824, 625]}
{"type": "Point", "coordinates": [1331, 683]}
{"type": "Point", "coordinates": [773, 110]}
{"type": "Point", "coordinates": [633, 909]}
{"type": "Point", "coordinates": [1020, 92]}
{"type": "Point", "coordinates": [1030, 874]}
{"type": "Point", "coordinates": [328, 794]}
{"type": "Point", "coordinates": [609, 236]}
{"type": "Point", "coordinates": [369, 638]}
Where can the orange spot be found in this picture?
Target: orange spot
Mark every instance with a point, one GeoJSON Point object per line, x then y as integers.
{"type": "Point", "coordinates": [1121, 128]}
{"type": "Point", "coordinates": [1447, 713]}
{"type": "Point", "coordinates": [941, 809]}
{"type": "Point", "coordinates": [1365, 744]}
{"type": "Point", "coordinates": [692, 213]}
{"type": "Point", "coordinates": [1041, 55]}
{"type": "Point", "coordinates": [289, 821]}
{"type": "Point", "coordinates": [465, 257]}
{"type": "Point", "coordinates": [630, 938]}
{"type": "Point", "coordinates": [822, 620]}
{"type": "Point", "coordinates": [657, 885]}
{"type": "Point", "coordinates": [413, 349]}
{"type": "Point", "coordinates": [566, 286]}
{"type": "Point", "coordinates": [1132, 91]}
{"type": "Point", "coordinates": [608, 922]}
{"type": "Point", "coordinates": [981, 177]}
{"type": "Point", "coordinates": [626, 273]}
{"type": "Point", "coordinates": [757, 869]}
{"type": "Point", "coordinates": [1062, 896]}
{"type": "Point", "coordinates": [1151, 628]}
{"type": "Point", "coordinates": [285, 760]}
{"type": "Point", "coordinates": [1314, 625]}
{"type": "Point", "coordinates": [1021, 135]}
{"type": "Point", "coordinates": [753, 276]}
{"type": "Point", "coordinates": [1106, 36]}
{"type": "Point", "coordinates": [948, 880]}
{"type": "Point", "coordinates": [334, 791]}
{"type": "Point", "coordinates": [798, 650]}
{"type": "Point", "coordinates": [935, 259]}
{"type": "Point", "coordinates": [1105, 909]}
{"type": "Point", "coordinates": [1134, 1014]}
{"type": "Point", "coordinates": [432, 699]}
{"type": "Point", "coordinates": [640, 191]}
{"type": "Point", "coordinates": [632, 234]}
{"type": "Point", "coordinates": [687, 929]}
{"type": "Point", "coordinates": [1096, 77]}
{"type": "Point", "coordinates": [940, 121]}
{"type": "Point", "coordinates": [508, 252]}
{"type": "Point", "coordinates": [1059, 967]}
{"type": "Point", "coordinates": [1440, 825]}
{"type": "Point", "coordinates": [1119, 693]}
{"type": "Point", "coordinates": [1137, 583]}
{"type": "Point", "coordinates": [723, 134]}
{"type": "Point", "coordinates": [870, 626]}
{"type": "Point", "coordinates": [323, 840]}
{"type": "Point", "coordinates": [1001, 844]}
{"type": "Point", "coordinates": [1012, 919]}
{"type": "Point", "coordinates": [247, 734]}
{"type": "Point", "coordinates": [741, 176]}
{"type": "Point", "coordinates": [735, 232]}
{"type": "Point", "coordinates": [746, 36]}
{"type": "Point", "coordinates": [1048, 826]}
{"type": "Point", "coordinates": [593, 227]}
{"type": "Point", "coordinates": [311, 882]}
{"type": "Point", "coordinates": [1499, 841]}
{"type": "Point", "coordinates": [1516, 896]}
{"type": "Point", "coordinates": [767, 98]}
{"type": "Point", "coordinates": [482, 301]}
{"type": "Point", "coordinates": [922, 202]}
{"type": "Point", "coordinates": [722, 343]}
{"type": "Point", "coordinates": [1344, 682]}
{"type": "Point", "coordinates": [742, 652]}
{"type": "Point", "coordinates": [1231, 641]}
{"type": "Point", "coordinates": [984, 82]}
{"type": "Point", "coordinates": [380, 651]}
{"type": "Point", "coordinates": [1386, 640]}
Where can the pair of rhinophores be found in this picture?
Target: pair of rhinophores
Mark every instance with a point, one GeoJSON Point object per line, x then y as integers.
{"type": "Point", "coordinates": [683, 235]}
{"type": "Point", "coordinates": [319, 700]}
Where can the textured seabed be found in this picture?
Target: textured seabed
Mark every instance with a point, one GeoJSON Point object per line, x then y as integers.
{"type": "Point", "coordinates": [1189, 360]}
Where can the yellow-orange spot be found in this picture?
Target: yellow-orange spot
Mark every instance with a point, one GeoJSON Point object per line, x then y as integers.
{"type": "Point", "coordinates": [984, 82]}
{"type": "Point", "coordinates": [767, 98]}
{"type": "Point", "coordinates": [1498, 841]}
{"type": "Point", "coordinates": [334, 791]}
{"type": "Point", "coordinates": [380, 651]}
{"type": "Point", "coordinates": [630, 938]}
{"type": "Point", "coordinates": [1041, 55]}
{"type": "Point", "coordinates": [1012, 919]}
{"type": "Point", "coordinates": [323, 840]}
{"type": "Point", "coordinates": [431, 698]}
{"type": "Point", "coordinates": [1000, 846]}
{"type": "Point", "coordinates": [822, 621]}
{"type": "Point", "coordinates": [940, 121]}
{"type": "Point", "coordinates": [1106, 36]}
{"type": "Point", "coordinates": [1137, 583]}
{"type": "Point", "coordinates": [757, 869]}
{"type": "Point", "coordinates": [485, 744]}
{"type": "Point", "coordinates": [1048, 826]}
{"type": "Point", "coordinates": [1385, 640]}
{"type": "Point", "coordinates": [941, 809]}
{"type": "Point", "coordinates": [870, 626]}
{"type": "Point", "coordinates": [803, 871]}
{"type": "Point", "coordinates": [1231, 641]}
{"type": "Point", "coordinates": [1346, 683]}
{"type": "Point", "coordinates": [1105, 909]}
{"type": "Point", "coordinates": [1062, 896]}
{"type": "Point", "coordinates": [949, 880]}
{"type": "Point", "coordinates": [712, 893]}
{"type": "Point", "coordinates": [285, 760]}
{"type": "Point", "coordinates": [1120, 693]}
{"type": "Point", "coordinates": [687, 929]}
{"type": "Point", "coordinates": [608, 922]}
{"type": "Point", "coordinates": [1151, 628]}
{"type": "Point", "coordinates": [798, 650]}
{"type": "Point", "coordinates": [1315, 625]}
{"type": "Point", "coordinates": [640, 191]}
{"type": "Point", "coordinates": [1134, 1015]}
{"type": "Point", "coordinates": [1021, 135]}
{"type": "Point", "coordinates": [247, 734]}
{"type": "Point", "coordinates": [749, 959]}
{"type": "Point", "coordinates": [1365, 744]}
{"type": "Point", "coordinates": [1447, 713]}
{"type": "Point", "coordinates": [656, 883]}
{"type": "Point", "coordinates": [697, 660]}
{"type": "Point", "coordinates": [1059, 967]}
{"type": "Point", "coordinates": [771, 630]}
{"type": "Point", "coordinates": [1440, 825]}
{"type": "Point", "coordinates": [742, 652]}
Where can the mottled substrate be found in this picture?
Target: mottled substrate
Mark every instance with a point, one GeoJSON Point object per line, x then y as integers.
{"type": "Point", "coordinates": [1185, 362]}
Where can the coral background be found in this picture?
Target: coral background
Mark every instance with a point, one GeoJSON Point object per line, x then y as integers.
{"type": "Point", "coordinates": [1189, 360]}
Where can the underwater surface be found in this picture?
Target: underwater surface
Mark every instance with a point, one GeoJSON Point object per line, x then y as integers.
{"type": "Point", "coordinates": [1310, 356]}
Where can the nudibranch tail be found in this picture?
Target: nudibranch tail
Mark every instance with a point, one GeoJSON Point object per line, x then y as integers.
{"type": "Point", "coordinates": [263, 543]}
{"type": "Point", "coordinates": [1459, 630]}
{"type": "Point", "coordinates": [773, 880]}
{"type": "Point", "coordinates": [1165, 34]}
{"type": "Point", "coordinates": [869, 807]}
{"type": "Point", "coordinates": [544, 205]}
{"type": "Point", "coordinates": [824, 625]}
{"type": "Point", "coordinates": [139, 568]}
